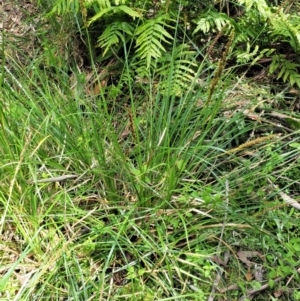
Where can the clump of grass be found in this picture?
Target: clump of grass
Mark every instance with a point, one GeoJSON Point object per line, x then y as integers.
{"type": "Point", "coordinates": [108, 198]}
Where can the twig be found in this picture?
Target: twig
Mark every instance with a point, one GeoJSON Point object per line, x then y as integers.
{"type": "Point", "coordinates": [56, 179]}
{"type": "Point", "coordinates": [287, 199]}
{"type": "Point", "coordinates": [252, 292]}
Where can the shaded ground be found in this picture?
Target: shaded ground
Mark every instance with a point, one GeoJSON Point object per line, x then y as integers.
{"type": "Point", "coordinates": [18, 21]}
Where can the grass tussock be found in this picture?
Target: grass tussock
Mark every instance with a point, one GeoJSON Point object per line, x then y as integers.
{"type": "Point", "coordinates": [137, 193]}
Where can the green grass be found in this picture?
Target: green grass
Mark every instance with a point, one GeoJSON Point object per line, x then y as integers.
{"type": "Point", "coordinates": [163, 185]}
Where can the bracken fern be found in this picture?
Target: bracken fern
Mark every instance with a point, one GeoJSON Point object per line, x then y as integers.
{"type": "Point", "coordinates": [150, 36]}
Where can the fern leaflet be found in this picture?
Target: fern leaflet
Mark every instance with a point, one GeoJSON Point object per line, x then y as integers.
{"type": "Point", "coordinates": [150, 36]}
{"type": "Point", "coordinates": [113, 33]}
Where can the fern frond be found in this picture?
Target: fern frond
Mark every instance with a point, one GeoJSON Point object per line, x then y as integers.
{"type": "Point", "coordinates": [62, 7]}
{"type": "Point", "coordinates": [177, 70]}
{"type": "Point", "coordinates": [114, 10]}
{"type": "Point", "coordinates": [113, 33]}
{"type": "Point", "coordinates": [287, 26]}
{"type": "Point", "coordinates": [288, 71]}
{"type": "Point", "coordinates": [104, 3]}
{"type": "Point", "coordinates": [260, 5]}
{"type": "Point", "coordinates": [150, 36]}
{"type": "Point", "coordinates": [212, 21]}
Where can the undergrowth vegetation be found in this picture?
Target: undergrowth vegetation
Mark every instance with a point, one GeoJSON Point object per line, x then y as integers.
{"type": "Point", "coordinates": [143, 158]}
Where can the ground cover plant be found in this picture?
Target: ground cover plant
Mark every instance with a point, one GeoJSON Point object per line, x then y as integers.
{"type": "Point", "coordinates": [138, 164]}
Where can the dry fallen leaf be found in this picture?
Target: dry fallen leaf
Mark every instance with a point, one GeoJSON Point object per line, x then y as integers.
{"type": "Point", "coordinates": [244, 255]}
{"type": "Point", "coordinates": [278, 293]}
{"type": "Point", "coordinates": [258, 272]}
{"type": "Point", "coordinates": [218, 260]}
{"type": "Point", "coordinates": [24, 279]}
{"type": "Point", "coordinates": [249, 276]}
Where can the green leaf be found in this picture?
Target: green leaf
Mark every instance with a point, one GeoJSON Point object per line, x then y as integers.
{"type": "Point", "coordinates": [180, 164]}
{"type": "Point", "coordinates": [101, 14]}
{"type": "Point", "coordinates": [129, 11]}
{"type": "Point", "coordinates": [295, 145]}
{"type": "Point", "coordinates": [115, 9]}
{"type": "Point", "coordinates": [113, 33]}
{"type": "Point", "coordinates": [271, 283]}
{"type": "Point", "coordinates": [212, 21]}
{"type": "Point", "coordinates": [150, 35]}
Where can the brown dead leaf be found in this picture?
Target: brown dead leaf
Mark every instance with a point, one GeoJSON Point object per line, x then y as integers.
{"type": "Point", "coordinates": [24, 279]}
{"type": "Point", "coordinates": [218, 260]}
{"type": "Point", "coordinates": [124, 134]}
{"type": "Point", "coordinates": [245, 255]}
{"type": "Point", "coordinates": [97, 88]}
{"type": "Point", "coordinates": [249, 276]}
{"type": "Point", "coordinates": [278, 293]}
